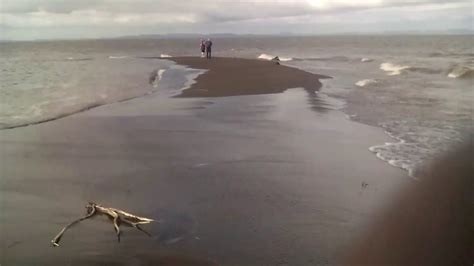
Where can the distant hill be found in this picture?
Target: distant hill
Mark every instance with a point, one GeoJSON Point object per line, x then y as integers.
{"type": "Point", "coordinates": [178, 36]}
{"type": "Point", "coordinates": [434, 32]}
{"type": "Point", "coordinates": [290, 34]}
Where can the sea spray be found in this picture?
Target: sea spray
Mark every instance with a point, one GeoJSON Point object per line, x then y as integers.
{"type": "Point", "coordinates": [365, 82]}
{"type": "Point", "coordinates": [393, 69]}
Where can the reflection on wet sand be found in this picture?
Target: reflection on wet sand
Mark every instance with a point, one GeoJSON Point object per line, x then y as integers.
{"type": "Point", "coordinates": [249, 180]}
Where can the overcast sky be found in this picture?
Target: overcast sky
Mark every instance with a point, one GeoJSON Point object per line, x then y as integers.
{"type": "Point", "coordinates": [44, 19]}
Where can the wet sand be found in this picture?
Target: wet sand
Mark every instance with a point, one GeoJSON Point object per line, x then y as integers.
{"type": "Point", "coordinates": [269, 179]}
{"type": "Point", "coordinates": [429, 222]}
{"type": "Point", "coordinates": [236, 76]}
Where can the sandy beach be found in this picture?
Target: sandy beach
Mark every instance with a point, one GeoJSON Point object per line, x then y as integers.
{"type": "Point", "coordinates": [239, 76]}
{"type": "Point", "coordinates": [268, 179]}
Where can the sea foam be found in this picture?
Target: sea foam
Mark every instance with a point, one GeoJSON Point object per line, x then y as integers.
{"type": "Point", "coordinates": [416, 143]}
{"type": "Point", "coordinates": [365, 82]}
{"type": "Point", "coordinates": [393, 69]}
{"type": "Point", "coordinates": [270, 57]}
{"type": "Point", "coordinates": [461, 72]}
{"type": "Point", "coordinates": [156, 77]}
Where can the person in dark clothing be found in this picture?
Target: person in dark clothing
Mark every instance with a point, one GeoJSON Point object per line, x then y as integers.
{"type": "Point", "coordinates": [208, 45]}
{"type": "Point", "coordinates": [203, 48]}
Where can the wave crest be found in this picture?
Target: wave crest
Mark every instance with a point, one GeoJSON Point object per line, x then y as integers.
{"type": "Point", "coordinates": [393, 69]}
{"type": "Point", "coordinates": [461, 72]}
{"type": "Point", "coordinates": [270, 57]}
{"type": "Point", "coordinates": [365, 82]}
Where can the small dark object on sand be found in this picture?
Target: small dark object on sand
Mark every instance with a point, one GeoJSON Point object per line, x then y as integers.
{"type": "Point", "coordinates": [276, 59]}
{"type": "Point", "coordinates": [117, 216]}
{"type": "Point", "coordinates": [364, 184]}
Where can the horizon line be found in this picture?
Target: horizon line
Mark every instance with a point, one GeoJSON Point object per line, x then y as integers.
{"type": "Point", "coordinates": [184, 35]}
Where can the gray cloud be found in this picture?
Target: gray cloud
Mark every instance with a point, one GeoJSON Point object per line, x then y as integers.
{"type": "Point", "coordinates": [224, 15]}
{"type": "Point", "coordinates": [52, 6]}
{"type": "Point", "coordinates": [225, 8]}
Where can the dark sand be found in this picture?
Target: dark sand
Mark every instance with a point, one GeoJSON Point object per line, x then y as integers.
{"type": "Point", "coordinates": [246, 180]}
{"type": "Point", "coordinates": [430, 223]}
{"type": "Point", "coordinates": [236, 76]}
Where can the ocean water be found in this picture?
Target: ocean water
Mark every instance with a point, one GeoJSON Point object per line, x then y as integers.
{"type": "Point", "coordinates": [419, 89]}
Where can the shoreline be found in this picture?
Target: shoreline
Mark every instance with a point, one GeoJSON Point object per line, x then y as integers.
{"type": "Point", "coordinates": [233, 180]}
{"type": "Point", "coordinates": [216, 81]}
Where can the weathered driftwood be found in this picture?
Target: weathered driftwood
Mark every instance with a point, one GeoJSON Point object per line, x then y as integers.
{"type": "Point", "coordinates": [117, 216]}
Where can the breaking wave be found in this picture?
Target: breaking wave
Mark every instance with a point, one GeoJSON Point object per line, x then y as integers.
{"type": "Point", "coordinates": [365, 82]}
{"type": "Point", "coordinates": [461, 72]}
{"type": "Point", "coordinates": [165, 56]}
{"type": "Point", "coordinates": [458, 71]}
{"type": "Point", "coordinates": [270, 57]}
{"type": "Point", "coordinates": [393, 69]}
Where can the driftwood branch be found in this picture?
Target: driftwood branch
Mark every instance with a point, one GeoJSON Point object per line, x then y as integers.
{"type": "Point", "coordinates": [116, 215]}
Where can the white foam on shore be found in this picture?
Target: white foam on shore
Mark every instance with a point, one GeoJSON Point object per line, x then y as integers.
{"type": "Point", "coordinates": [191, 76]}
{"type": "Point", "coordinates": [416, 143]}
{"type": "Point", "coordinates": [158, 77]}
{"type": "Point", "coordinates": [393, 69]}
{"type": "Point", "coordinates": [270, 57]}
{"type": "Point", "coordinates": [365, 60]}
{"type": "Point", "coordinates": [387, 153]}
{"type": "Point", "coordinates": [365, 82]}
{"type": "Point", "coordinates": [165, 56]}
{"type": "Point", "coordinates": [160, 74]}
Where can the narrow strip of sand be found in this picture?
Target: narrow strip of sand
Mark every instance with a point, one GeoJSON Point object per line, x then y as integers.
{"type": "Point", "coordinates": [236, 76]}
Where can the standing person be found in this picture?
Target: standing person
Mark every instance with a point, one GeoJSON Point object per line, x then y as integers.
{"type": "Point", "coordinates": [203, 47]}
{"type": "Point", "coordinates": [208, 45]}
